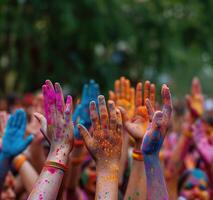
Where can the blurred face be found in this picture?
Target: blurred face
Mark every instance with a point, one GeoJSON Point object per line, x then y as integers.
{"type": "Point", "coordinates": [8, 192]}
{"type": "Point", "coordinates": [195, 188]}
{"type": "Point", "coordinates": [89, 174]}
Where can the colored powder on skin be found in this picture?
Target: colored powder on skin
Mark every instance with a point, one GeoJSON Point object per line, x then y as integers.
{"type": "Point", "coordinates": [51, 170]}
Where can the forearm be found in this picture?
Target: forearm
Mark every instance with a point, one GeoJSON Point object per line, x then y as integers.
{"type": "Point", "coordinates": [37, 157]}
{"type": "Point", "coordinates": [156, 186]}
{"type": "Point", "coordinates": [136, 188]}
{"type": "Point", "coordinates": [75, 161]}
{"type": "Point", "coordinates": [5, 163]}
{"type": "Point", "coordinates": [28, 176]}
{"type": "Point", "coordinates": [107, 183]}
{"type": "Point", "coordinates": [124, 157]}
{"type": "Point", "coordinates": [50, 179]}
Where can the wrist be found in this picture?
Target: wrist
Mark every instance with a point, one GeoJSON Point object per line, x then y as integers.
{"type": "Point", "coordinates": [110, 173]}
{"type": "Point", "coordinates": [111, 167]}
{"type": "Point", "coordinates": [59, 155]}
{"type": "Point", "coordinates": [137, 145]}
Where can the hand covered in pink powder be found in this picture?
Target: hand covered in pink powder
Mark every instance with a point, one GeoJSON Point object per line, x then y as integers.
{"type": "Point", "coordinates": [57, 124]}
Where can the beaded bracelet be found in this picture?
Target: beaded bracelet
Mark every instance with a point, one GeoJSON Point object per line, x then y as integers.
{"type": "Point", "coordinates": [137, 155]}
{"type": "Point", "coordinates": [56, 165]}
{"type": "Point", "coordinates": [19, 161]}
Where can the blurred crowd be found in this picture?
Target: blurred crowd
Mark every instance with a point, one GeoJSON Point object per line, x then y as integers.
{"type": "Point", "coordinates": [126, 146]}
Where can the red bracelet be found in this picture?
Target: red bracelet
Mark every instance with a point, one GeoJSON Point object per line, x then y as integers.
{"type": "Point", "coordinates": [56, 165]}
{"type": "Point", "coordinates": [78, 143]}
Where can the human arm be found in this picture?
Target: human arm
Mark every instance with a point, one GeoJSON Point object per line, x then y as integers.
{"type": "Point", "coordinates": [124, 96]}
{"type": "Point", "coordinates": [151, 145]}
{"type": "Point", "coordinates": [104, 144]}
{"type": "Point", "coordinates": [137, 187]}
{"type": "Point", "coordinates": [13, 142]}
{"type": "Point", "coordinates": [58, 129]}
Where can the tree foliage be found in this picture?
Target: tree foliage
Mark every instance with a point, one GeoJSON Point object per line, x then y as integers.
{"type": "Point", "coordinates": [72, 41]}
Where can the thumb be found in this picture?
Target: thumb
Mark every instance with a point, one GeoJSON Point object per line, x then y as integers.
{"type": "Point", "coordinates": [85, 135]}
{"type": "Point", "coordinates": [127, 123]}
{"type": "Point", "coordinates": [27, 141]}
{"type": "Point", "coordinates": [43, 121]}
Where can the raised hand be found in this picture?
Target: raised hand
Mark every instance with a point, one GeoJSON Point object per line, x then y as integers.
{"type": "Point", "coordinates": [202, 143]}
{"type": "Point", "coordinates": [124, 96]}
{"type": "Point", "coordinates": [57, 125]}
{"type": "Point", "coordinates": [159, 122]}
{"type": "Point", "coordinates": [105, 142]}
{"type": "Point", "coordinates": [195, 101]}
{"type": "Point", "coordinates": [81, 113]}
{"type": "Point", "coordinates": [138, 125]}
{"type": "Point", "coordinates": [151, 145]}
{"type": "Point", "coordinates": [13, 139]}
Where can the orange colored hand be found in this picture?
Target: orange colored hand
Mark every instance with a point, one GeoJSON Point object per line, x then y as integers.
{"type": "Point", "coordinates": [138, 125]}
{"type": "Point", "coordinates": [105, 142]}
{"type": "Point", "coordinates": [124, 96]}
{"type": "Point", "coordinates": [195, 101]}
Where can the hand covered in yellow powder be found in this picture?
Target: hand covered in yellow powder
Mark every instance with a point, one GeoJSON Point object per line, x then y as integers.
{"type": "Point", "coordinates": [124, 96]}
{"type": "Point", "coordinates": [138, 125]}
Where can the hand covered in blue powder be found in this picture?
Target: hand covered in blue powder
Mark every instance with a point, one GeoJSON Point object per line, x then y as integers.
{"type": "Point", "coordinates": [81, 113]}
{"type": "Point", "coordinates": [13, 139]}
{"type": "Point", "coordinates": [158, 125]}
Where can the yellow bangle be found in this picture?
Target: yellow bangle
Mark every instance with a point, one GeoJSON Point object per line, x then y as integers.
{"type": "Point", "coordinates": [19, 161]}
{"type": "Point", "coordinates": [137, 155]}
{"type": "Point", "coordinates": [56, 165]}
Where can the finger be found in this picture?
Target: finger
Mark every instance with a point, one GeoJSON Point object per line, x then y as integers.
{"type": "Point", "coordinates": [85, 93]}
{"type": "Point", "coordinates": [76, 113]}
{"type": "Point", "coordinates": [196, 86]}
{"type": "Point", "coordinates": [43, 122]}
{"type": "Point", "coordinates": [18, 118]}
{"type": "Point", "coordinates": [104, 118]}
{"type": "Point", "coordinates": [167, 100]}
{"type": "Point", "coordinates": [150, 109]}
{"type": "Point", "coordinates": [22, 120]}
{"type": "Point", "coordinates": [146, 91]}
{"type": "Point", "coordinates": [92, 90]}
{"type": "Point", "coordinates": [152, 95]}
{"type": "Point", "coordinates": [122, 81]}
{"type": "Point", "coordinates": [138, 96]}
{"type": "Point", "coordinates": [59, 98]}
{"type": "Point", "coordinates": [27, 141]}
{"type": "Point", "coordinates": [127, 89]}
{"type": "Point", "coordinates": [117, 89]}
{"type": "Point", "coordinates": [94, 116]}
{"type": "Point", "coordinates": [126, 121]}
{"type": "Point", "coordinates": [112, 95]}
{"type": "Point", "coordinates": [124, 114]}
{"type": "Point", "coordinates": [68, 109]}
{"type": "Point", "coordinates": [112, 112]}
{"type": "Point", "coordinates": [132, 96]}
{"type": "Point", "coordinates": [10, 121]}
{"type": "Point", "coordinates": [85, 135]}
{"type": "Point", "coordinates": [119, 122]}
{"type": "Point", "coordinates": [97, 90]}
{"type": "Point", "coordinates": [49, 101]}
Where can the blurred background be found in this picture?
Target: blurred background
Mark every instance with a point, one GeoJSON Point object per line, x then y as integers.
{"type": "Point", "coordinates": [72, 41]}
